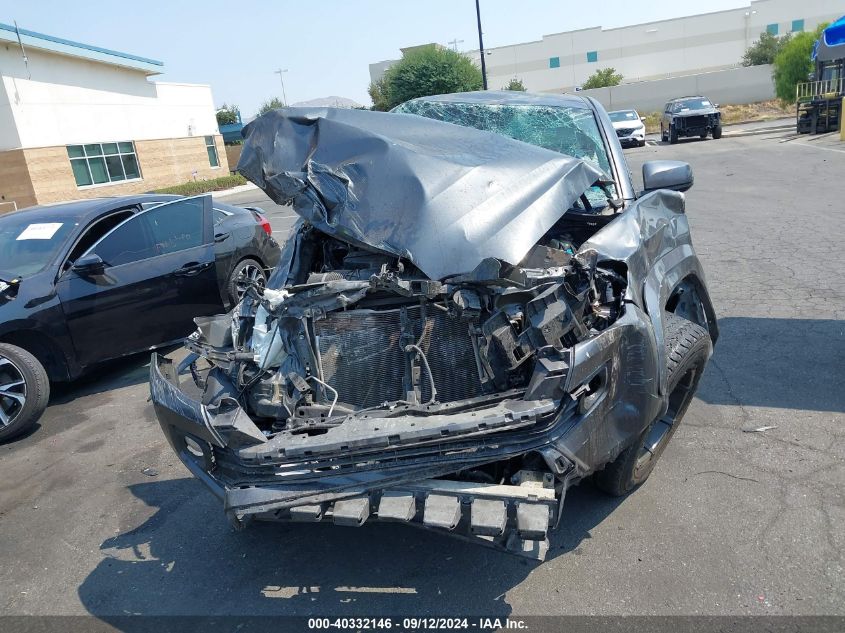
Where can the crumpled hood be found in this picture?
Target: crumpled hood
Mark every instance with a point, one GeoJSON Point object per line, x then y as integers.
{"type": "Point", "coordinates": [443, 196]}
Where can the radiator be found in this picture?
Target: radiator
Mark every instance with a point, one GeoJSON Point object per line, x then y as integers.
{"type": "Point", "coordinates": [362, 357]}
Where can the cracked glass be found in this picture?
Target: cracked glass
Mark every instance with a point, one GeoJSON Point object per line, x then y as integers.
{"type": "Point", "coordinates": [568, 130]}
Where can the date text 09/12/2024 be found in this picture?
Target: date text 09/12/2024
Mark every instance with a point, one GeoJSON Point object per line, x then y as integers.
{"type": "Point", "coordinates": [416, 623]}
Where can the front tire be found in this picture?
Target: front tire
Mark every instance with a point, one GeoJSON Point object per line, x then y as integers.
{"type": "Point", "coordinates": [688, 347]}
{"type": "Point", "coordinates": [248, 272]}
{"type": "Point", "coordinates": [24, 390]}
{"type": "Point", "coordinates": [717, 132]}
{"type": "Point", "coordinates": [673, 135]}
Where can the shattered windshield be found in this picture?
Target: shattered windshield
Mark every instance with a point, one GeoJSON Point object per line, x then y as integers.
{"type": "Point", "coordinates": [691, 104]}
{"type": "Point", "coordinates": [569, 130]}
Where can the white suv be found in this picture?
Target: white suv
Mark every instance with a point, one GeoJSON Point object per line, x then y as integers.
{"type": "Point", "coordinates": [629, 127]}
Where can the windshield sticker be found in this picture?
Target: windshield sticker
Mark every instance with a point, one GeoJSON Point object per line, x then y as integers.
{"type": "Point", "coordinates": [43, 231]}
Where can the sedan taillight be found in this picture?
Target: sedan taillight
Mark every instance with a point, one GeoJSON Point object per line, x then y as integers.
{"type": "Point", "coordinates": [263, 221]}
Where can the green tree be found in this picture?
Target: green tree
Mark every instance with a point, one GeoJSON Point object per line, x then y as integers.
{"type": "Point", "coordinates": [764, 50]}
{"type": "Point", "coordinates": [271, 104]}
{"type": "Point", "coordinates": [515, 84]}
{"type": "Point", "coordinates": [603, 78]}
{"type": "Point", "coordinates": [227, 114]}
{"type": "Point", "coordinates": [429, 70]}
{"type": "Point", "coordinates": [378, 93]}
{"type": "Point", "coordinates": [793, 64]}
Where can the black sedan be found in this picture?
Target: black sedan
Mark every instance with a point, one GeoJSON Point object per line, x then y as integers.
{"type": "Point", "coordinates": [88, 281]}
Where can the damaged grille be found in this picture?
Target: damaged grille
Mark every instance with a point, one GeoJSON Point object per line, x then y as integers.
{"type": "Point", "coordinates": [362, 355]}
{"type": "Point", "coordinates": [694, 121]}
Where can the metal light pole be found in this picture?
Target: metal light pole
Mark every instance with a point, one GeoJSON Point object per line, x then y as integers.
{"type": "Point", "coordinates": [282, 79]}
{"type": "Point", "coordinates": [455, 43]}
{"type": "Point", "coordinates": [481, 47]}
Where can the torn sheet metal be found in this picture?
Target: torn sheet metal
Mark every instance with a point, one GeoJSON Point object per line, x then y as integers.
{"type": "Point", "coordinates": [443, 196]}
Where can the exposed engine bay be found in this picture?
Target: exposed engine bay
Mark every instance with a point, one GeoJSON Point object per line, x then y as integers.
{"type": "Point", "coordinates": [358, 332]}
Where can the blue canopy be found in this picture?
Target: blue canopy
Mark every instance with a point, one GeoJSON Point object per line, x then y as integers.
{"type": "Point", "coordinates": [831, 45]}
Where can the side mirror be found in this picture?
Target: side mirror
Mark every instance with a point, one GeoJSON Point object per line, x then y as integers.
{"type": "Point", "coordinates": [90, 264]}
{"type": "Point", "coordinates": [667, 174]}
{"type": "Point", "coordinates": [715, 105]}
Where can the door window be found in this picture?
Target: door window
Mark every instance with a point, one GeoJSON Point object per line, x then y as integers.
{"type": "Point", "coordinates": [168, 228]}
{"type": "Point", "coordinates": [177, 226]}
{"type": "Point", "coordinates": [95, 232]}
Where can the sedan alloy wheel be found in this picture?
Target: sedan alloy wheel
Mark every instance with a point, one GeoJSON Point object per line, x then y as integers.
{"type": "Point", "coordinates": [12, 391]}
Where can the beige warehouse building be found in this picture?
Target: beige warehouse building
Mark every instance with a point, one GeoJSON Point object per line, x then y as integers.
{"type": "Point", "coordinates": [79, 121]}
{"type": "Point", "coordinates": [695, 44]}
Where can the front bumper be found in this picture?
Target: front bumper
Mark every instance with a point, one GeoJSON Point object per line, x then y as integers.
{"type": "Point", "coordinates": [516, 518]}
{"type": "Point", "coordinates": [634, 138]}
{"type": "Point", "coordinates": [404, 474]}
{"type": "Point", "coordinates": [699, 125]}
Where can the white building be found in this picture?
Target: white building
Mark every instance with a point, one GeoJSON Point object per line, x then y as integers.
{"type": "Point", "coordinates": [81, 121]}
{"type": "Point", "coordinates": [695, 44]}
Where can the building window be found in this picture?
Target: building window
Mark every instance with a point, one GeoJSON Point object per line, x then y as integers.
{"type": "Point", "coordinates": [100, 163]}
{"type": "Point", "coordinates": [554, 62]}
{"type": "Point", "coordinates": [772, 29]}
{"type": "Point", "coordinates": [211, 148]}
{"type": "Point", "coordinates": [797, 26]}
{"type": "Point", "coordinates": [592, 56]}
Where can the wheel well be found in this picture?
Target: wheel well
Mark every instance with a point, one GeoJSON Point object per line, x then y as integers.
{"type": "Point", "coordinates": [689, 300]}
{"type": "Point", "coordinates": [245, 257]}
{"type": "Point", "coordinates": [228, 301]}
{"type": "Point", "coordinates": [44, 350]}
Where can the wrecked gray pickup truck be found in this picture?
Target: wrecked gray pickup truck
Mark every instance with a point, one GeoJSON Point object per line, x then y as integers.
{"type": "Point", "coordinates": [462, 325]}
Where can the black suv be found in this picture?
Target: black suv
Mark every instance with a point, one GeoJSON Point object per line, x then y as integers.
{"type": "Point", "coordinates": [690, 116]}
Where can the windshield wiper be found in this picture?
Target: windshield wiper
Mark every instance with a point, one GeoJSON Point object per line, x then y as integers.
{"type": "Point", "coordinates": [603, 184]}
{"type": "Point", "coordinates": [612, 201]}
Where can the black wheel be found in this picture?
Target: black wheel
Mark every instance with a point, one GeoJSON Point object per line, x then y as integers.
{"type": "Point", "coordinates": [663, 136]}
{"type": "Point", "coordinates": [703, 136]}
{"type": "Point", "coordinates": [673, 134]}
{"type": "Point", "coordinates": [641, 143]}
{"type": "Point", "coordinates": [248, 272]}
{"type": "Point", "coordinates": [687, 350]}
{"type": "Point", "coordinates": [24, 390]}
{"type": "Point", "coordinates": [717, 132]}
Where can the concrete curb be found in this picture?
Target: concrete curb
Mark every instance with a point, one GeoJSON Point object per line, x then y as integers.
{"type": "Point", "coordinates": [736, 129]}
{"type": "Point", "coordinates": [230, 192]}
{"type": "Point", "coordinates": [757, 131]}
{"type": "Point", "coordinates": [775, 129]}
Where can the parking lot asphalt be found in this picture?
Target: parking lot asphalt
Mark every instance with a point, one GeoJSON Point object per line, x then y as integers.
{"type": "Point", "coordinates": [743, 514]}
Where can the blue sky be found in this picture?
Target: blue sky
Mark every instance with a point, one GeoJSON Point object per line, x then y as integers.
{"type": "Point", "coordinates": [325, 45]}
